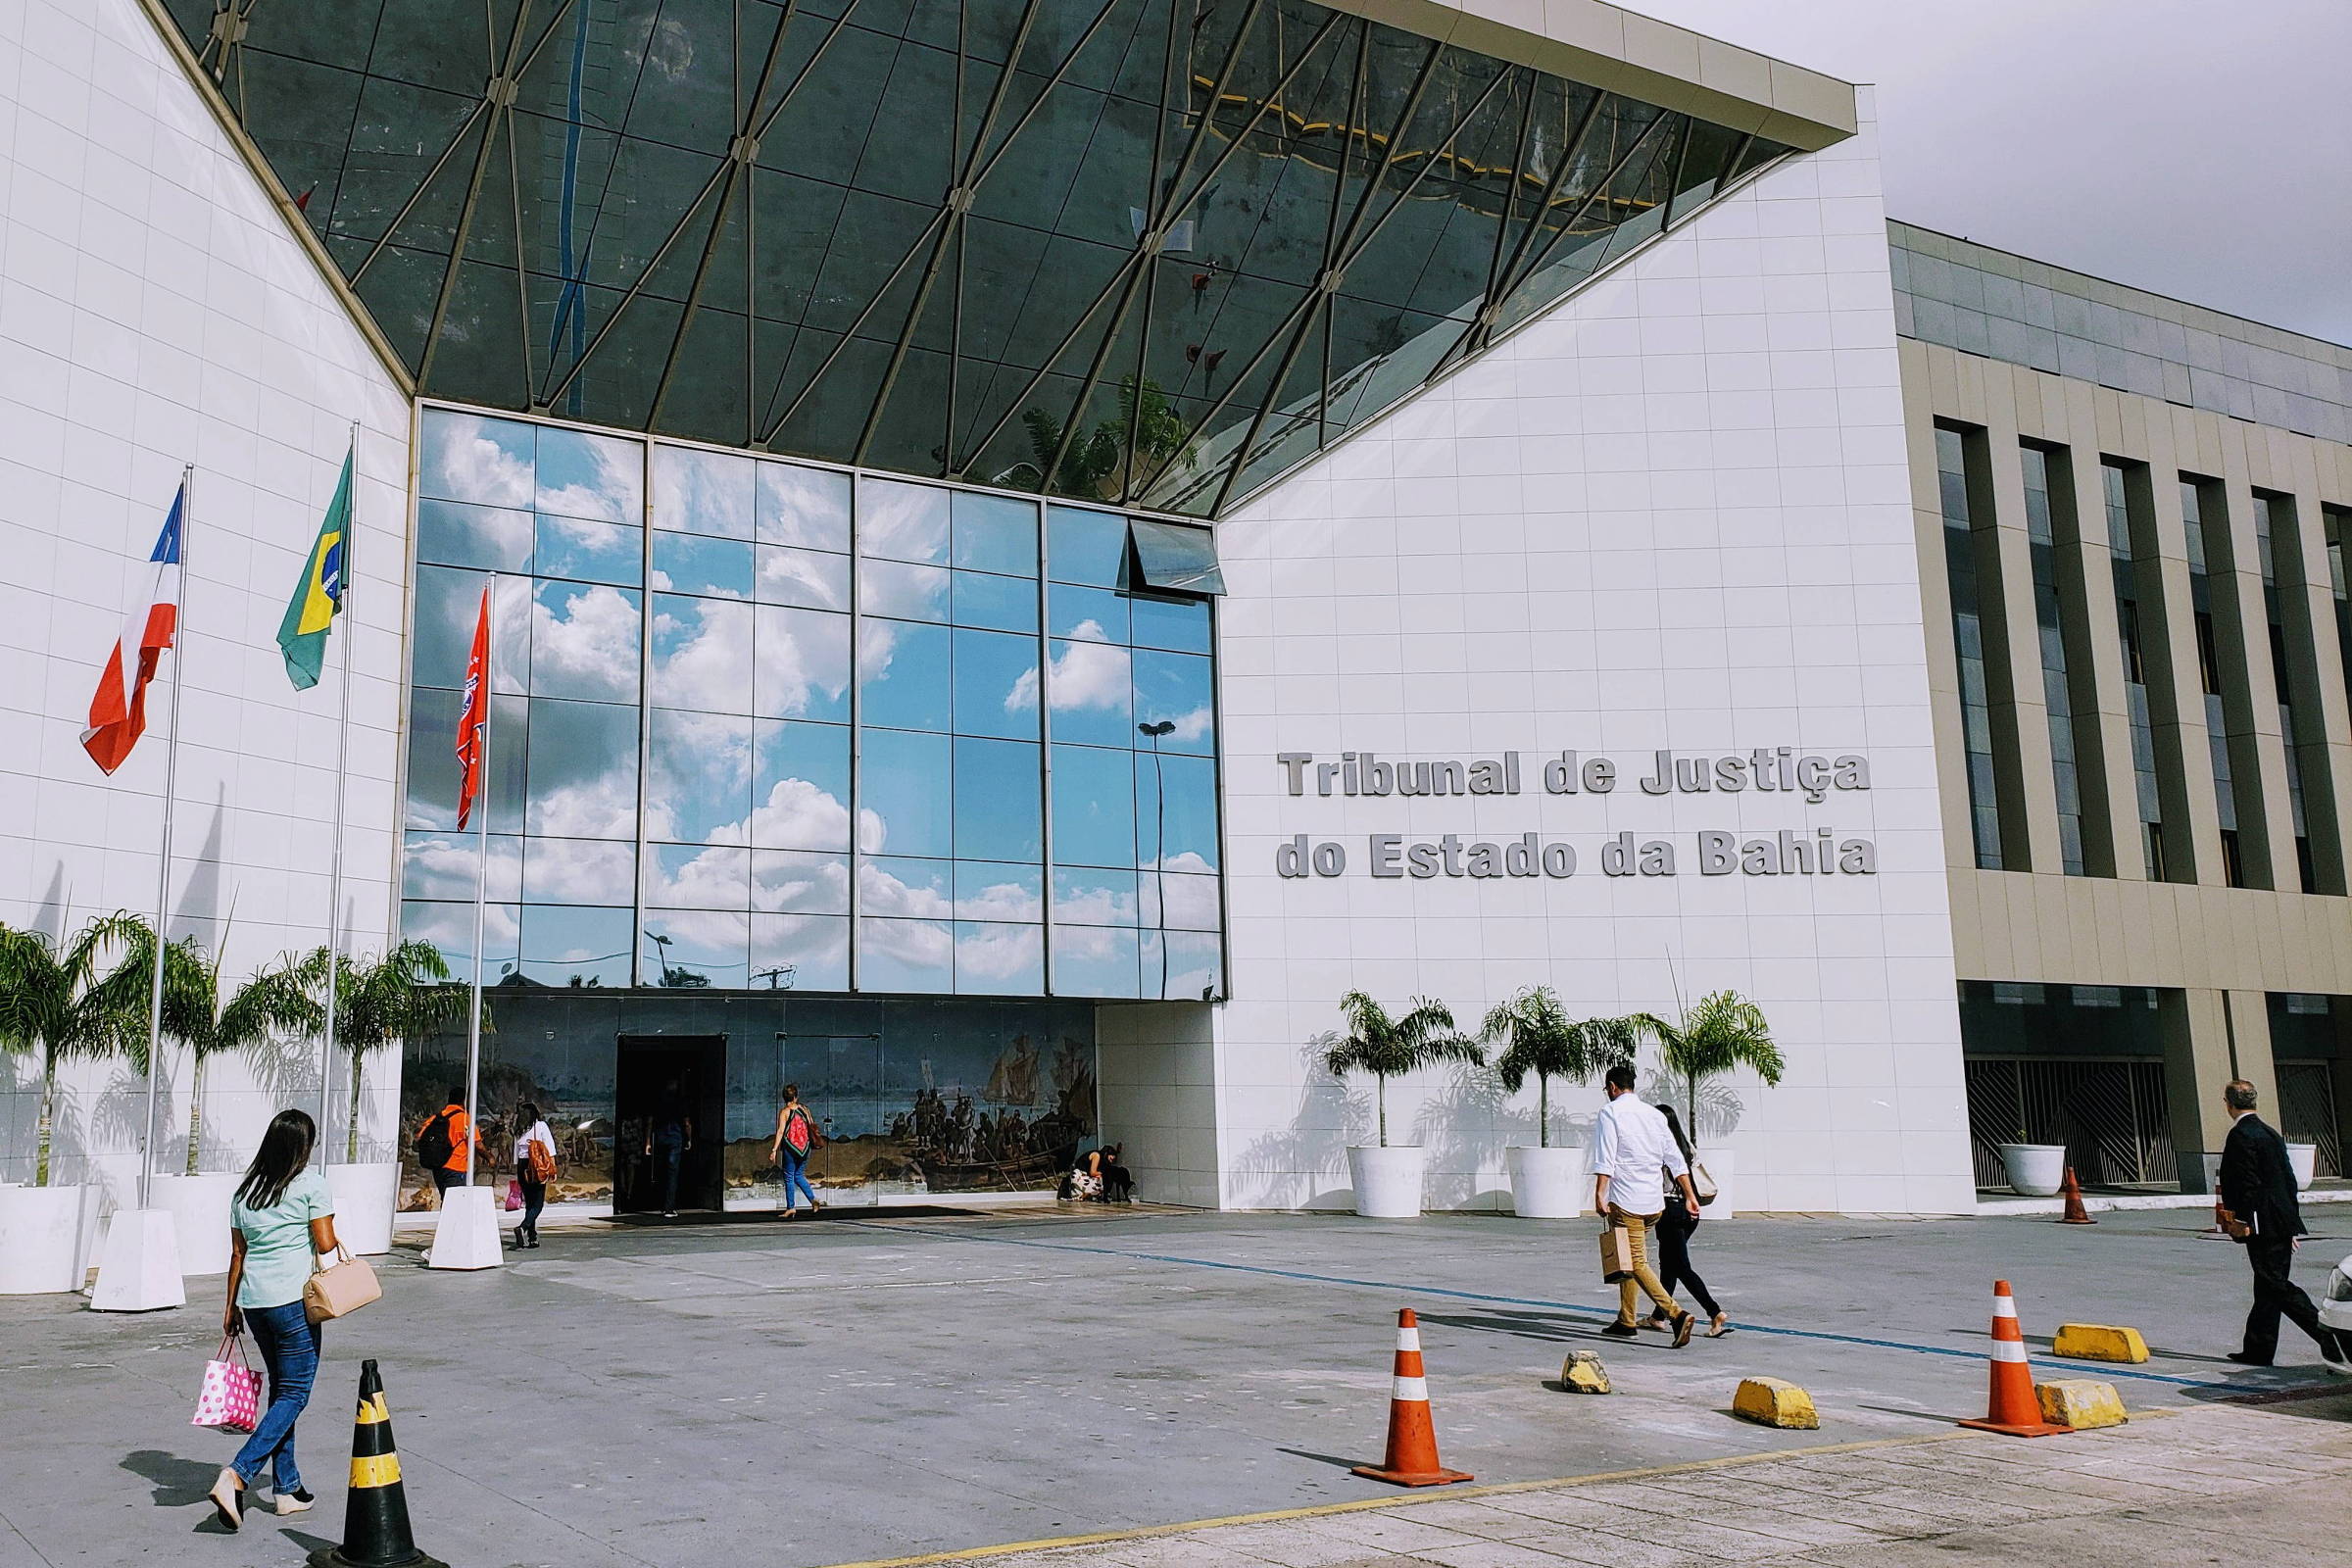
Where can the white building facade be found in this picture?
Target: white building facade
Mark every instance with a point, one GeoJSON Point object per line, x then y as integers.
{"type": "Point", "coordinates": [1506, 496]}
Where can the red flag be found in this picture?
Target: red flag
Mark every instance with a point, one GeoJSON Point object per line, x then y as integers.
{"type": "Point", "coordinates": [473, 712]}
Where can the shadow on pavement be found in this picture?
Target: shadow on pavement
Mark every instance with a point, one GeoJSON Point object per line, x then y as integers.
{"type": "Point", "coordinates": [1550, 1327]}
{"type": "Point", "coordinates": [1321, 1458]}
{"type": "Point", "coordinates": [179, 1483]}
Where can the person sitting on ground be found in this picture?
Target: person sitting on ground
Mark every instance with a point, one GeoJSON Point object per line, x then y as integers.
{"type": "Point", "coordinates": [1085, 1179]}
{"type": "Point", "coordinates": [1118, 1182]}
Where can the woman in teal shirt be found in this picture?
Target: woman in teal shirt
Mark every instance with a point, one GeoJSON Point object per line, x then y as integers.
{"type": "Point", "coordinates": [282, 1218]}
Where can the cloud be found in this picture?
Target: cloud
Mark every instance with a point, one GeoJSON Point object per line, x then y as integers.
{"type": "Point", "coordinates": [803, 577]}
{"type": "Point", "coordinates": [718, 877]}
{"type": "Point", "coordinates": [581, 871]}
{"type": "Point", "coordinates": [1014, 953]}
{"type": "Point", "coordinates": [880, 892]}
{"type": "Point", "coordinates": [797, 884]}
{"type": "Point", "coordinates": [797, 815]}
{"type": "Point", "coordinates": [470, 463]}
{"type": "Point", "coordinates": [1085, 674]}
{"type": "Point", "coordinates": [1194, 725]}
{"type": "Point", "coordinates": [440, 865]}
{"type": "Point", "coordinates": [703, 655]}
{"type": "Point", "coordinates": [1001, 901]}
{"type": "Point", "coordinates": [585, 646]}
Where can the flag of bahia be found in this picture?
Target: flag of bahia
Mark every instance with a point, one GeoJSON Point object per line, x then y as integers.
{"type": "Point", "coordinates": [318, 595]}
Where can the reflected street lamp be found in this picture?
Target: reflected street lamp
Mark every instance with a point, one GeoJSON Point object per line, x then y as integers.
{"type": "Point", "coordinates": [660, 955]}
{"type": "Point", "coordinates": [1159, 846]}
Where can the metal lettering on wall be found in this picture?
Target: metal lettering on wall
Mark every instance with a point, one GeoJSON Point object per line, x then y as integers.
{"type": "Point", "coordinates": [1814, 851]}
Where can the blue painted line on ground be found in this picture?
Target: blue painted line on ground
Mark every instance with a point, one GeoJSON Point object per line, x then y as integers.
{"type": "Point", "coordinates": [1532, 1301]}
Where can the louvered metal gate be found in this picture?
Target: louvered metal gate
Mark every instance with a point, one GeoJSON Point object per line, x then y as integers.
{"type": "Point", "coordinates": [2307, 1112]}
{"type": "Point", "coordinates": [2111, 1113]}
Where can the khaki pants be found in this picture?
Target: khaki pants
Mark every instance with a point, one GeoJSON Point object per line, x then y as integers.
{"type": "Point", "coordinates": [1645, 1278]}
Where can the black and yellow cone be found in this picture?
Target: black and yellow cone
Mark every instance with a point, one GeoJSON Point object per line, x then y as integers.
{"type": "Point", "coordinates": [376, 1517]}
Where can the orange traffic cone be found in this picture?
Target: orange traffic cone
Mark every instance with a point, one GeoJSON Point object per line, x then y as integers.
{"type": "Point", "coordinates": [1412, 1459]}
{"type": "Point", "coordinates": [2076, 1213]}
{"type": "Point", "coordinates": [2012, 1409]}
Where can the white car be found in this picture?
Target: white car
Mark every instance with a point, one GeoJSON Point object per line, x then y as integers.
{"type": "Point", "coordinates": [2336, 1310]}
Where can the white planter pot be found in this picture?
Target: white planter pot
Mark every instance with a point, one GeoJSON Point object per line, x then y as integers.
{"type": "Point", "coordinates": [2305, 1158]}
{"type": "Point", "coordinates": [199, 1209]}
{"type": "Point", "coordinates": [1549, 1182]}
{"type": "Point", "coordinates": [44, 1240]}
{"type": "Point", "coordinates": [1723, 1166]}
{"type": "Point", "coordinates": [1388, 1181]}
{"type": "Point", "coordinates": [365, 1195]}
{"type": "Point", "coordinates": [2036, 1170]}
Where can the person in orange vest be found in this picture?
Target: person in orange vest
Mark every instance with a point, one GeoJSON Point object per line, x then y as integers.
{"type": "Point", "coordinates": [445, 1143]}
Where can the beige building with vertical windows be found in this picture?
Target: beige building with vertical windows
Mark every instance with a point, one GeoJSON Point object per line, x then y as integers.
{"type": "Point", "coordinates": [2131, 514]}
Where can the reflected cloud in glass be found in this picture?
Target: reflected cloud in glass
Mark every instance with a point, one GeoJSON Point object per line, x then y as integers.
{"type": "Point", "coordinates": [801, 952]}
{"type": "Point", "coordinates": [584, 476]}
{"type": "Point", "coordinates": [689, 564]}
{"type": "Point", "coordinates": [807, 507]}
{"type": "Point", "coordinates": [800, 784]}
{"type": "Point", "coordinates": [563, 945]}
{"type": "Point", "coordinates": [1000, 960]}
{"type": "Point", "coordinates": [584, 641]}
{"type": "Point", "coordinates": [699, 776]}
{"type": "Point", "coordinates": [898, 521]}
{"type": "Point", "coordinates": [1096, 961]}
{"type": "Point", "coordinates": [703, 492]}
{"type": "Point", "coordinates": [589, 552]}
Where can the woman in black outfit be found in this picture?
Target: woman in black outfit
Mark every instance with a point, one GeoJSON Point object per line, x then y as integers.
{"type": "Point", "coordinates": [1673, 1230]}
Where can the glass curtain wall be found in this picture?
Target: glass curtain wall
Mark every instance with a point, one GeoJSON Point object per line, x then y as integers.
{"type": "Point", "coordinates": [1976, 600]}
{"type": "Point", "coordinates": [2300, 728]}
{"type": "Point", "coordinates": [2050, 501]}
{"type": "Point", "coordinates": [764, 725]}
{"type": "Point", "coordinates": [1142, 252]}
{"type": "Point", "coordinates": [2126, 488]}
{"type": "Point", "coordinates": [2230, 732]}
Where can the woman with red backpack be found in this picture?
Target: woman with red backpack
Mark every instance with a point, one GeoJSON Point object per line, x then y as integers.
{"type": "Point", "coordinates": [795, 1139]}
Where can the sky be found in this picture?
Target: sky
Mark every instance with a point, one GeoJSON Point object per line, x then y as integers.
{"type": "Point", "coordinates": [2197, 148]}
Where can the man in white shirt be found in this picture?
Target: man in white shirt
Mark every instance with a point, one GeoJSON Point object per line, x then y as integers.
{"type": "Point", "coordinates": [1632, 1150]}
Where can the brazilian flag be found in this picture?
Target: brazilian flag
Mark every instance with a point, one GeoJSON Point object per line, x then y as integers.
{"type": "Point", "coordinates": [318, 596]}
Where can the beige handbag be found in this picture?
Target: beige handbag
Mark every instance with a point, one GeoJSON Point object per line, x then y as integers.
{"type": "Point", "coordinates": [340, 1288]}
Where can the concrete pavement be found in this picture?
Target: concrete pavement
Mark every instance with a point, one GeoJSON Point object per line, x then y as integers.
{"type": "Point", "coordinates": [867, 1388]}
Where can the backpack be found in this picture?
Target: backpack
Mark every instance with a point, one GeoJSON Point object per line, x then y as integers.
{"type": "Point", "coordinates": [799, 1135]}
{"type": "Point", "coordinates": [542, 1162]}
{"type": "Point", "coordinates": [433, 1143]}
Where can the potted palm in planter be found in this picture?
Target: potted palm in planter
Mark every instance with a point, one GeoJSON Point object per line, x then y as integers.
{"type": "Point", "coordinates": [76, 1001]}
{"type": "Point", "coordinates": [1388, 1178]}
{"type": "Point", "coordinates": [378, 1003]}
{"type": "Point", "coordinates": [272, 1002]}
{"type": "Point", "coordinates": [1539, 1037]}
{"type": "Point", "coordinates": [1720, 1033]}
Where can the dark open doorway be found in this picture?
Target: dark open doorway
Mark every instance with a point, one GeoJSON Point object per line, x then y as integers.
{"type": "Point", "coordinates": [670, 1097]}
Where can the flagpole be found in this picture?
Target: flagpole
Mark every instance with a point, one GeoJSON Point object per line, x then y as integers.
{"type": "Point", "coordinates": [482, 888]}
{"type": "Point", "coordinates": [163, 874]}
{"type": "Point", "coordinates": [334, 881]}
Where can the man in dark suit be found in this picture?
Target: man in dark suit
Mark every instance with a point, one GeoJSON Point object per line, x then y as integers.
{"type": "Point", "coordinates": [2258, 1190]}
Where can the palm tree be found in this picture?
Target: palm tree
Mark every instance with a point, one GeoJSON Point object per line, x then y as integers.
{"type": "Point", "coordinates": [1722, 1031]}
{"type": "Point", "coordinates": [69, 1002]}
{"type": "Point", "coordinates": [1539, 1037]}
{"type": "Point", "coordinates": [384, 1000]}
{"type": "Point", "coordinates": [1389, 1047]}
{"type": "Point", "coordinates": [275, 1000]}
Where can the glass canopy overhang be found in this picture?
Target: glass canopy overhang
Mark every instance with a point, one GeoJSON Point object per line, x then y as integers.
{"type": "Point", "coordinates": [1143, 251]}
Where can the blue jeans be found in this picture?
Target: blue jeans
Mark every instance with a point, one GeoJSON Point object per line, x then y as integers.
{"type": "Point", "coordinates": [289, 1345]}
{"type": "Point", "coordinates": [794, 1167]}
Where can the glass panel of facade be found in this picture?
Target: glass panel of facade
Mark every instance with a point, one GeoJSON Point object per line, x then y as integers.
{"type": "Point", "coordinates": [2228, 731]}
{"type": "Point", "coordinates": [2301, 731]}
{"type": "Point", "coordinates": [1975, 600]}
{"type": "Point", "coordinates": [2125, 494]}
{"type": "Point", "coordinates": [702, 837]}
{"type": "Point", "coordinates": [1120, 301]}
{"type": "Point", "coordinates": [2050, 502]}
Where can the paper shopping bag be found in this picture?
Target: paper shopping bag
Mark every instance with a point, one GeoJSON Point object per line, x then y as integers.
{"type": "Point", "coordinates": [231, 1395]}
{"type": "Point", "coordinates": [1616, 1254]}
